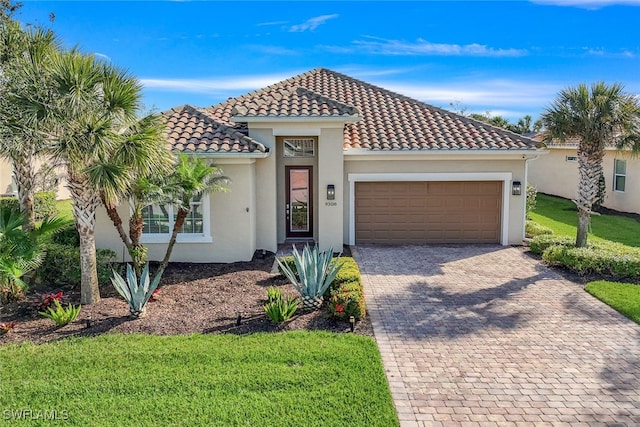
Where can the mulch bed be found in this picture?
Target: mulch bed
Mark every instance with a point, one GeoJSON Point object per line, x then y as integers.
{"type": "Point", "coordinates": [193, 298]}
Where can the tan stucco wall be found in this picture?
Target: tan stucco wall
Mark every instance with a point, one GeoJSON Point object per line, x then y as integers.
{"type": "Point", "coordinates": [233, 223]}
{"type": "Point", "coordinates": [403, 165]}
{"type": "Point", "coordinates": [266, 197]}
{"type": "Point", "coordinates": [553, 174]}
{"type": "Point", "coordinates": [5, 177]}
{"type": "Point", "coordinates": [330, 171]}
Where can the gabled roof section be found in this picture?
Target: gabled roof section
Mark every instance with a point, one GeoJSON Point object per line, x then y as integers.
{"type": "Point", "coordinates": [191, 131]}
{"type": "Point", "coordinates": [384, 120]}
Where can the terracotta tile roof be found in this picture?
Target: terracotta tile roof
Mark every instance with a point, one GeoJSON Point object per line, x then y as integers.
{"type": "Point", "coordinates": [189, 130]}
{"type": "Point", "coordinates": [387, 120]}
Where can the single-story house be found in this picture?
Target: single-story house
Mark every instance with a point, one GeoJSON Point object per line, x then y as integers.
{"type": "Point", "coordinates": [325, 157]}
{"type": "Point", "coordinates": [557, 174]}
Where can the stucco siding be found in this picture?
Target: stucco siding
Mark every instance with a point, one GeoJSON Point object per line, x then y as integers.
{"type": "Point", "coordinates": [478, 169]}
{"type": "Point", "coordinates": [553, 174]}
{"type": "Point", "coordinates": [5, 177]}
{"type": "Point", "coordinates": [233, 224]}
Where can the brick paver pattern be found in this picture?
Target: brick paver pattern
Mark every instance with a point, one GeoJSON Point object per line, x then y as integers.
{"type": "Point", "coordinates": [486, 335]}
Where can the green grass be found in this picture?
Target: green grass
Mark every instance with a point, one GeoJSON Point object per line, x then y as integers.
{"type": "Point", "coordinates": [284, 379]}
{"type": "Point", "coordinates": [65, 209]}
{"type": "Point", "coordinates": [561, 215]}
{"type": "Point", "coordinates": [623, 297]}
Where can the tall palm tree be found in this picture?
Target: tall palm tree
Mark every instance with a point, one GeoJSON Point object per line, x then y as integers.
{"type": "Point", "coordinates": [192, 177]}
{"type": "Point", "coordinates": [24, 74]}
{"type": "Point", "coordinates": [597, 116]}
{"type": "Point", "coordinates": [94, 106]}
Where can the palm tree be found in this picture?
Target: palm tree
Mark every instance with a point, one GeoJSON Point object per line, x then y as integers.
{"type": "Point", "coordinates": [21, 250]}
{"type": "Point", "coordinates": [94, 106]}
{"type": "Point", "coordinates": [24, 61]}
{"type": "Point", "coordinates": [192, 177]}
{"type": "Point", "coordinates": [597, 117]}
{"type": "Point", "coordinates": [148, 160]}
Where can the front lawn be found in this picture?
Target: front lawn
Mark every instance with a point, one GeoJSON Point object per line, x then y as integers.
{"type": "Point", "coordinates": [283, 379]}
{"type": "Point", "coordinates": [623, 297]}
{"type": "Point", "coordinates": [561, 215]}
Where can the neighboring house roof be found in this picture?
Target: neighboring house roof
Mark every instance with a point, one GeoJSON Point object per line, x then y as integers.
{"type": "Point", "coordinates": [376, 118]}
{"type": "Point", "coordinates": [191, 131]}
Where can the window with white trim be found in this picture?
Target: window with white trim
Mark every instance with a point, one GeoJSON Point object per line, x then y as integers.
{"type": "Point", "coordinates": [298, 147]}
{"type": "Point", "coordinates": [158, 221]}
{"type": "Point", "coordinates": [620, 175]}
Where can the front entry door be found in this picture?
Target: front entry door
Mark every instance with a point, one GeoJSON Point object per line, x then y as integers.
{"type": "Point", "coordinates": [299, 207]}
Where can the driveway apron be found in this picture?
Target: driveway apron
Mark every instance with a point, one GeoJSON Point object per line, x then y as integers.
{"type": "Point", "coordinates": [486, 335]}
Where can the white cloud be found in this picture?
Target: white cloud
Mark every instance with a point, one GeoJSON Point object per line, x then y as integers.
{"type": "Point", "coordinates": [274, 50]}
{"type": "Point", "coordinates": [102, 56]}
{"type": "Point", "coordinates": [265, 24]}
{"type": "Point", "coordinates": [312, 23]}
{"type": "Point", "coordinates": [588, 4]}
{"type": "Point", "coordinates": [421, 47]}
{"type": "Point", "coordinates": [215, 85]}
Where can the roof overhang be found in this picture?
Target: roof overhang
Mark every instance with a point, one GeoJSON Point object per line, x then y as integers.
{"type": "Point", "coordinates": [226, 155]}
{"type": "Point", "coordinates": [367, 154]}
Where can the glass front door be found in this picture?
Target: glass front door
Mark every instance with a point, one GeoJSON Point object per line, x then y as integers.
{"type": "Point", "coordinates": [298, 209]}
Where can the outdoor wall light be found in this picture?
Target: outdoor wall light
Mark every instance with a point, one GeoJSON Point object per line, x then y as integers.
{"type": "Point", "coordinates": [331, 192]}
{"type": "Point", "coordinates": [517, 188]}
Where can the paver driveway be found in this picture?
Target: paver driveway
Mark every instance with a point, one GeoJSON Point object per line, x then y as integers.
{"type": "Point", "coordinates": [487, 335]}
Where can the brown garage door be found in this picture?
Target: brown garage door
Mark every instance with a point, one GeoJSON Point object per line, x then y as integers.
{"type": "Point", "coordinates": [428, 212]}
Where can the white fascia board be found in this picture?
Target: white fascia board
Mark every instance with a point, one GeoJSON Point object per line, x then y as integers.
{"type": "Point", "coordinates": [247, 156]}
{"type": "Point", "coordinates": [297, 119]}
{"type": "Point", "coordinates": [366, 154]}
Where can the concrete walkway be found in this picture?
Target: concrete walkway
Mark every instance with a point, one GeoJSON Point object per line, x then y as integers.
{"type": "Point", "coordinates": [485, 335]}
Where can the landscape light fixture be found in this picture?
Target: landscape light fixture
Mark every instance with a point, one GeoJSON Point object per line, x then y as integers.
{"type": "Point", "coordinates": [331, 192]}
{"type": "Point", "coordinates": [517, 188]}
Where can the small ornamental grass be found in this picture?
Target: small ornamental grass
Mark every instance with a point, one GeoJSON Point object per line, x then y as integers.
{"type": "Point", "coordinates": [60, 315]}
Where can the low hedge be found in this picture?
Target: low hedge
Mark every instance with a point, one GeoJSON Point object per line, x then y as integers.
{"type": "Point", "coordinates": [61, 265]}
{"type": "Point", "coordinates": [605, 258]}
{"type": "Point", "coordinates": [533, 229]}
{"type": "Point", "coordinates": [44, 204]}
{"type": "Point", "coordinates": [345, 293]}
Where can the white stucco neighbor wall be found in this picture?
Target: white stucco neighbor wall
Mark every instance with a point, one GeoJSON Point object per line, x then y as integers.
{"type": "Point", "coordinates": [419, 167]}
{"type": "Point", "coordinates": [233, 234]}
{"type": "Point", "coordinates": [554, 174]}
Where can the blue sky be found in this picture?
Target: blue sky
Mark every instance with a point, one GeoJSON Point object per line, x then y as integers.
{"type": "Point", "coordinates": [509, 58]}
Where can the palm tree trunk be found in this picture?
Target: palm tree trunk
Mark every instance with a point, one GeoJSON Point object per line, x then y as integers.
{"type": "Point", "coordinates": [180, 218]}
{"type": "Point", "coordinates": [24, 177]}
{"type": "Point", "coordinates": [590, 157]}
{"type": "Point", "coordinates": [85, 204]}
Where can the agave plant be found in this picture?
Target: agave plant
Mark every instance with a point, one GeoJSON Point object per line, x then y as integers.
{"type": "Point", "coordinates": [136, 293]}
{"type": "Point", "coordinates": [314, 272]}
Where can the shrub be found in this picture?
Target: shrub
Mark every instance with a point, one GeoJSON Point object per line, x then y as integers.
{"type": "Point", "coordinates": [44, 204]}
{"type": "Point", "coordinates": [11, 291]}
{"type": "Point", "coordinates": [60, 315]}
{"type": "Point", "coordinates": [540, 243]}
{"type": "Point", "coordinates": [347, 300]}
{"type": "Point", "coordinates": [533, 229]}
{"type": "Point", "coordinates": [281, 309]}
{"type": "Point", "coordinates": [47, 300]}
{"type": "Point", "coordinates": [348, 273]}
{"type": "Point", "coordinates": [532, 193]}
{"type": "Point", "coordinates": [600, 258]}
{"type": "Point", "coordinates": [6, 327]}
{"type": "Point", "coordinates": [61, 265]}
{"type": "Point", "coordinates": [67, 236]}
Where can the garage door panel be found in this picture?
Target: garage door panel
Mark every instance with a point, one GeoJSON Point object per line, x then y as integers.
{"type": "Point", "coordinates": [428, 212]}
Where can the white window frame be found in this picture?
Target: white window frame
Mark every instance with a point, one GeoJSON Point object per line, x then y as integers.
{"type": "Point", "coordinates": [303, 153]}
{"type": "Point", "coordinates": [616, 175]}
{"type": "Point", "coordinates": [204, 237]}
